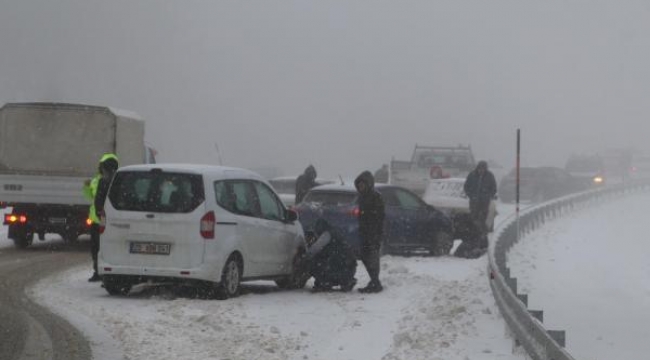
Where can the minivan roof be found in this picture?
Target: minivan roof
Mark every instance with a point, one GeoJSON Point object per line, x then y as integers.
{"type": "Point", "coordinates": [211, 170]}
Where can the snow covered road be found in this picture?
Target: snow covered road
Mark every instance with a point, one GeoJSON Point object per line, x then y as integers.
{"type": "Point", "coordinates": [432, 308]}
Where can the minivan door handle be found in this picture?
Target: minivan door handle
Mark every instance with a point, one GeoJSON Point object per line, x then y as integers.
{"type": "Point", "coordinates": [149, 216]}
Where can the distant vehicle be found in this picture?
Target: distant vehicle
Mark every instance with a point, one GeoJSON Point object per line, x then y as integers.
{"type": "Point", "coordinates": [206, 226]}
{"type": "Point", "coordinates": [587, 169]}
{"type": "Point", "coordinates": [448, 196]}
{"type": "Point", "coordinates": [431, 162]}
{"type": "Point", "coordinates": [47, 151]}
{"type": "Point", "coordinates": [410, 224]}
{"type": "Point", "coordinates": [285, 186]}
{"type": "Point", "coordinates": [640, 167]}
{"type": "Point", "coordinates": [538, 184]}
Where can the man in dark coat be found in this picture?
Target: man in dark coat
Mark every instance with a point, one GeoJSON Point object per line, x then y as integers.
{"type": "Point", "coordinates": [305, 182]}
{"type": "Point", "coordinates": [332, 260]}
{"type": "Point", "coordinates": [480, 187]}
{"type": "Point", "coordinates": [371, 228]}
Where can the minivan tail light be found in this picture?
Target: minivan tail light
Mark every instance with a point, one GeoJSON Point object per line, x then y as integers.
{"type": "Point", "coordinates": [354, 211]}
{"type": "Point", "coordinates": [207, 225]}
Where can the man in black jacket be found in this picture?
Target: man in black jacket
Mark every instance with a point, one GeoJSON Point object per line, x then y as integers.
{"type": "Point", "coordinates": [305, 182]}
{"type": "Point", "coordinates": [371, 228]}
{"type": "Point", "coordinates": [480, 187]}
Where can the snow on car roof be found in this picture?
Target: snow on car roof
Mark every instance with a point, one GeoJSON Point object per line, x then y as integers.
{"type": "Point", "coordinates": [346, 187]}
{"type": "Point", "coordinates": [214, 170]}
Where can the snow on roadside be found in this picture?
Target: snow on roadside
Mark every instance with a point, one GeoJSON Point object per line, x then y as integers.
{"type": "Point", "coordinates": [432, 308]}
{"type": "Point", "coordinates": [589, 272]}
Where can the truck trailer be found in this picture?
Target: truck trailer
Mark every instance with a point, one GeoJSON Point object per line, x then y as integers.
{"type": "Point", "coordinates": [47, 152]}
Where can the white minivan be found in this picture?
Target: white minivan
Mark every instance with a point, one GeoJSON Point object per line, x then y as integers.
{"type": "Point", "coordinates": [198, 225]}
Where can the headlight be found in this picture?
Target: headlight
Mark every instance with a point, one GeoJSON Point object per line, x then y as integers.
{"type": "Point", "coordinates": [598, 180]}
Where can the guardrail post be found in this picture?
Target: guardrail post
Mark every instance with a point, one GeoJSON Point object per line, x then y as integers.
{"type": "Point", "coordinates": [537, 314]}
{"type": "Point", "coordinates": [559, 336]}
{"type": "Point", "coordinates": [523, 298]}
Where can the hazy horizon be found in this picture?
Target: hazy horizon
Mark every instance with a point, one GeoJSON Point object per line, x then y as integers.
{"type": "Point", "coordinates": [342, 85]}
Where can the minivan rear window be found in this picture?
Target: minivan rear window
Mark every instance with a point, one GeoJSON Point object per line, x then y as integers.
{"type": "Point", "coordinates": [156, 191]}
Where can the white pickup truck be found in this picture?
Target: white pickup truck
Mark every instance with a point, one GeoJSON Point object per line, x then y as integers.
{"type": "Point", "coordinates": [431, 162]}
{"type": "Point", "coordinates": [47, 151]}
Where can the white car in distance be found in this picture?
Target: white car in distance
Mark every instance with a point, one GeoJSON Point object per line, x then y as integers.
{"type": "Point", "coordinates": [449, 196]}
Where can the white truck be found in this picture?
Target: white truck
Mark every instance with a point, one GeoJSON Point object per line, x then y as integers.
{"type": "Point", "coordinates": [431, 162]}
{"type": "Point", "coordinates": [47, 151]}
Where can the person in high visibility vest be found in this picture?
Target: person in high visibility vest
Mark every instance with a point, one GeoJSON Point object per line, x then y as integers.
{"type": "Point", "coordinates": [95, 190]}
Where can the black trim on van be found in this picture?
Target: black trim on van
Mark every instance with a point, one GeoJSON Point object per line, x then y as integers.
{"type": "Point", "coordinates": [226, 223]}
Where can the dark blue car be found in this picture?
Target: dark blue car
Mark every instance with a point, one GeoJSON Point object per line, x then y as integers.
{"type": "Point", "coordinates": [410, 224]}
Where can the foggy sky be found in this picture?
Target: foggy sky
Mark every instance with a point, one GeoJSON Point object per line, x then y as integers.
{"type": "Point", "coordinates": [345, 85]}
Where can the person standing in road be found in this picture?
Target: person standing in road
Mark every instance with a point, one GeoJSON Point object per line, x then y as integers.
{"type": "Point", "coordinates": [480, 187]}
{"type": "Point", "coordinates": [96, 190]}
{"type": "Point", "coordinates": [305, 182]}
{"type": "Point", "coordinates": [371, 228]}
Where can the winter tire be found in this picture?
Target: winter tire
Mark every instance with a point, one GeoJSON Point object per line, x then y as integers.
{"type": "Point", "coordinates": [299, 273]}
{"type": "Point", "coordinates": [115, 285]}
{"type": "Point", "coordinates": [230, 279]}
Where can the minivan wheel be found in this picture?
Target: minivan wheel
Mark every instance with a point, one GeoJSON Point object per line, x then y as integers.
{"type": "Point", "coordinates": [116, 285]}
{"type": "Point", "coordinates": [230, 279]}
{"type": "Point", "coordinates": [299, 273]}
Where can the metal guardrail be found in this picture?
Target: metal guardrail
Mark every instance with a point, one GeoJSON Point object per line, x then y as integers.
{"type": "Point", "coordinates": [527, 325]}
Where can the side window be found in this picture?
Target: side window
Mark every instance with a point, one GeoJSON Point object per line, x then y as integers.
{"type": "Point", "coordinates": [225, 196]}
{"type": "Point", "coordinates": [407, 200]}
{"type": "Point", "coordinates": [270, 207]}
{"type": "Point", "coordinates": [237, 196]}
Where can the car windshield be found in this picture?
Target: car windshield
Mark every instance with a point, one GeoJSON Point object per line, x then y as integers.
{"type": "Point", "coordinates": [334, 198]}
{"type": "Point", "coordinates": [156, 191]}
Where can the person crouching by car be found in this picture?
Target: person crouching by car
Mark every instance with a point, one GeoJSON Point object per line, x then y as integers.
{"type": "Point", "coordinates": [331, 260]}
{"type": "Point", "coordinates": [371, 228]}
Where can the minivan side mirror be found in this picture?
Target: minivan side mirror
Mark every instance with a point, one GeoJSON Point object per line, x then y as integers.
{"type": "Point", "coordinates": [290, 216]}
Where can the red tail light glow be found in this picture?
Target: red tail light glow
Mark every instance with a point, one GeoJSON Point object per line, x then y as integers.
{"type": "Point", "coordinates": [355, 211]}
{"type": "Point", "coordinates": [207, 225]}
{"type": "Point", "coordinates": [11, 219]}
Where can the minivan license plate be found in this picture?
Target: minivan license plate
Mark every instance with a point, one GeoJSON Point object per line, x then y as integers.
{"type": "Point", "coordinates": [149, 248]}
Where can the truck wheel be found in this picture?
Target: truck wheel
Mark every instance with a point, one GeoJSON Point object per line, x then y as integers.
{"type": "Point", "coordinates": [70, 237]}
{"type": "Point", "coordinates": [23, 240]}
